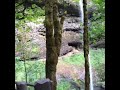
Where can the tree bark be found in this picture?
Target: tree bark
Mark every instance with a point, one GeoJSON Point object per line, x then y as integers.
{"type": "Point", "coordinates": [53, 39]}
{"type": "Point", "coordinates": [58, 24]}
{"type": "Point", "coordinates": [86, 47]}
{"type": "Point", "coordinates": [50, 45]}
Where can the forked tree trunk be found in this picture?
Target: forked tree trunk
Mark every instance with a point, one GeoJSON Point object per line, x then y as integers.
{"type": "Point", "coordinates": [53, 39]}
{"type": "Point", "coordinates": [86, 47]}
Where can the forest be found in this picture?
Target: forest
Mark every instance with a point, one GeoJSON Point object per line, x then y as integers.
{"type": "Point", "coordinates": [61, 42]}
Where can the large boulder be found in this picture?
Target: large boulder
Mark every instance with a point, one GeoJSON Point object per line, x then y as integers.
{"type": "Point", "coordinates": [75, 44]}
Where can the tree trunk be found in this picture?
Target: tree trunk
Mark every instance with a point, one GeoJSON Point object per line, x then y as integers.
{"type": "Point", "coordinates": [53, 39]}
{"type": "Point", "coordinates": [50, 45]}
{"type": "Point", "coordinates": [86, 47]}
{"type": "Point", "coordinates": [58, 24]}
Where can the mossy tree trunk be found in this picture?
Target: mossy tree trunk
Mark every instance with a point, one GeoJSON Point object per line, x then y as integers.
{"type": "Point", "coordinates": [86, 47]}
{"type": "Point", "coordinates": [53, 39]}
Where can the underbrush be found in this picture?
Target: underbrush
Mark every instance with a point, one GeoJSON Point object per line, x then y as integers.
{"type": "Point", "coordinates": [36, 69]}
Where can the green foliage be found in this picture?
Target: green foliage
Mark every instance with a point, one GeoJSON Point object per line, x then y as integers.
{"type": "Point", "coordinates": [97, 27]}
{"type": "Point", "coordinates": [98, 62]}
{"type": "Point", "coordinates": [31, 14]}
{"type": "Point", "coordinates": [97, 58]}
{"type": "Point", "coordinates": [76, 1]}
{"type": "Point", "coordinates": [35, 71]}
{"type": "Point", "coordinates": [74, 59]}
{"type": "Point", "coordinates": [97, 31]}
{"type": "Point", "coordinates": [63, 85]}
{"type": "Point", "coordinates": [19, 70]}
{"type": "Point", "coordinates": [24, 45]}
{"type": "Point", "coordinates": [34, 13]}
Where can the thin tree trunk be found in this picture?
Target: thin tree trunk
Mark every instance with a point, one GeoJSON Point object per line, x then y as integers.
{"type": "Point", "coordinates": [57, 31]}
{"type": "Point", "coordinates": [57, 34]}
{"type": "Point", "coordinates": [86, 47]}
{"type": "Point", "coordinates": [25, 71]}
{"type": "Point", "coordinates": [58, 24]}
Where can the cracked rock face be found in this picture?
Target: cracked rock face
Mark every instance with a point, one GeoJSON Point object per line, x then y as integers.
{"type": "Point", "coordinates": [70, 24]}
{"type": "Point", "coordinates": [71, 33]}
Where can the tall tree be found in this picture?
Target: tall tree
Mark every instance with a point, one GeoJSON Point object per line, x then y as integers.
{"type": "Point", "coordinates": [53, 32]}
{"type": "Point", "coordinates": [86, 46]}
{"type": "Point", "coordinates": [53, 39]}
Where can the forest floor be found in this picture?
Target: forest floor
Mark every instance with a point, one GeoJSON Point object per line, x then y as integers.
{"type": "Point", "coordinates": [70, 69]}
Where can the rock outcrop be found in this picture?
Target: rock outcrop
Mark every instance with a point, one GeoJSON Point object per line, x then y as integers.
{"type": "Point", "coordinates": [99, 44]}
{"type": "Point", "coordinates": [71, 33]}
